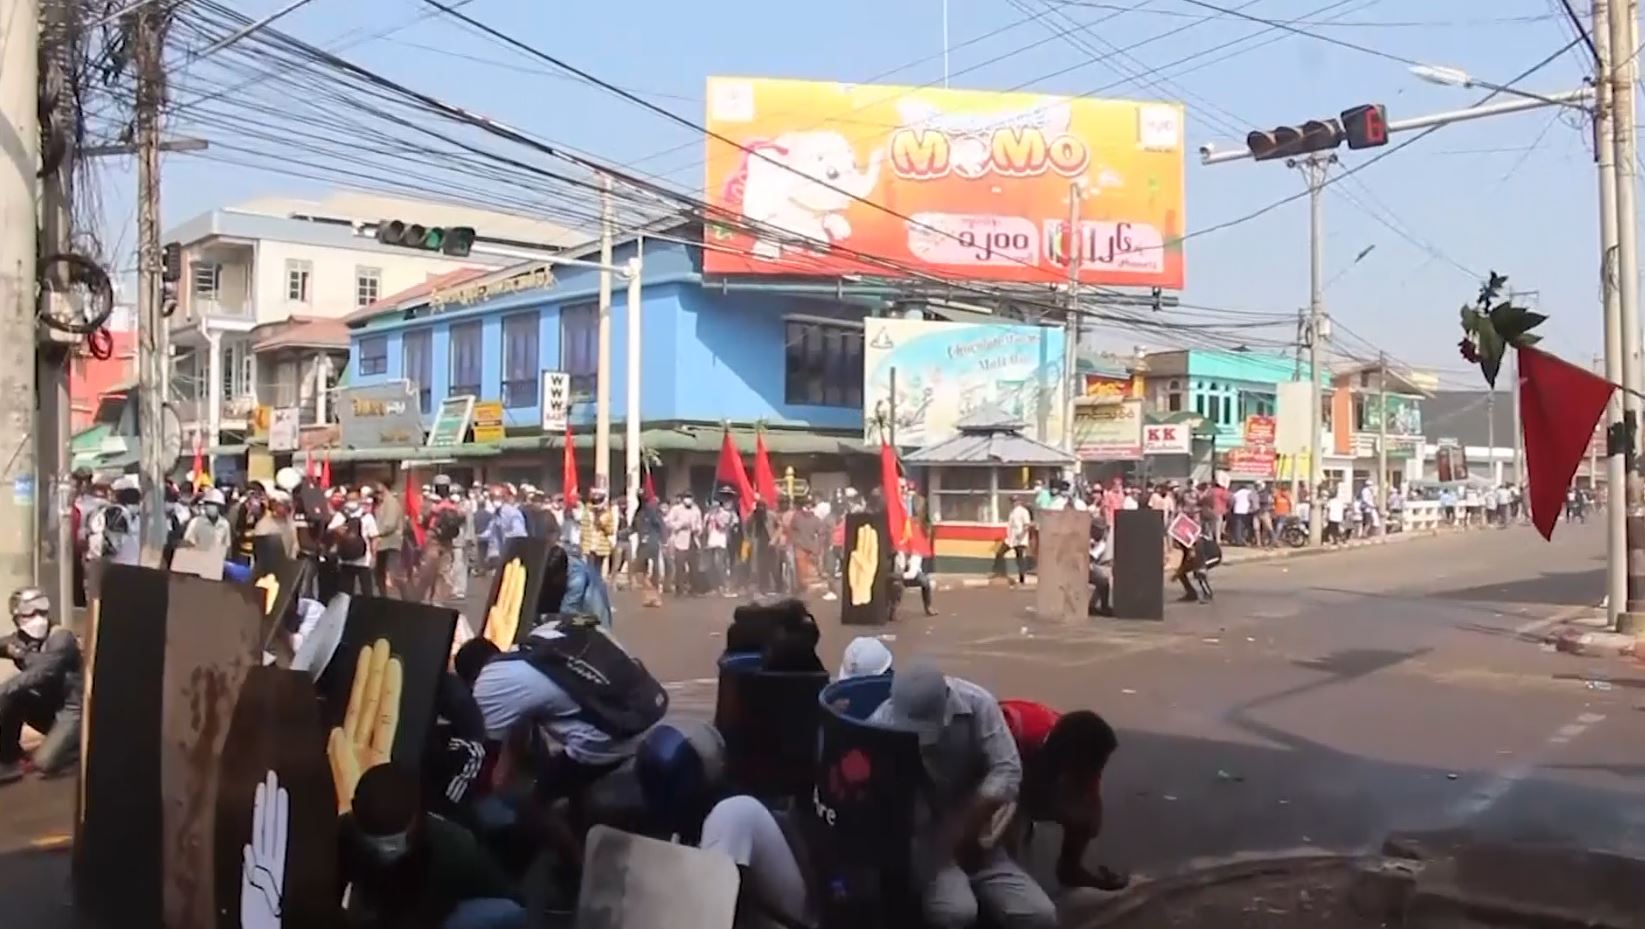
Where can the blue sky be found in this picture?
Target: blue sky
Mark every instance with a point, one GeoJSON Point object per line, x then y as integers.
{"type": "Point", "coordinates": [1516, 194]}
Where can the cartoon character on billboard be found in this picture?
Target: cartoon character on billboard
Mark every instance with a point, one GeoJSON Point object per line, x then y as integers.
{"type": "Point", "coordinates": [801, 183]}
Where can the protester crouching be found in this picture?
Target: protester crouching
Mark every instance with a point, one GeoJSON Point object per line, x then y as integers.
{"type": "Point", "coordinates": [44, 694]}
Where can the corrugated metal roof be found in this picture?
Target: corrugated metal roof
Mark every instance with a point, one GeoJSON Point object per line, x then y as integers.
{"type": "Point", "coordinates": [992, 448]}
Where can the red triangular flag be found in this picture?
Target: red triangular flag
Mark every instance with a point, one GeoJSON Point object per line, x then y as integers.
{"type": "Point", "coordinates": [1559, 406]}
{"type": "Point", "coordinates": [568, 467]}
{"type": "Point", "coordinates": [414, 506]}
{"type": "Point", "coordinates": [765, 480]}
{"type": "Point", "coordinates": [730, 471]}
{"type": "Point", "coordinates": [906, 534]}
{"type": "Point", "coordinates": [325, 472]}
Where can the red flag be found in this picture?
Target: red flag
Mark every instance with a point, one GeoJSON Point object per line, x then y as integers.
{"type": "Point", "coordinates": [730, 471]}
{"type": "Point", "coordinates": [906, 534]}
{"type": "Point", "coordinates": [311, 466]}
{"type": "Point", "coordinates": [765, 481]}
{"type": "Point", "coordinates": [568, 467]}
{"type": "Point", "coordinates": [325, 472]}
{"type": "Point", "coordinates": [1559, 405]}
{"type": "Point", "coordinates": [200, 478]}
{"type": "Point", "coordinates": [650, 487]}
{"type": "Point", "coordinates": [414, 506]}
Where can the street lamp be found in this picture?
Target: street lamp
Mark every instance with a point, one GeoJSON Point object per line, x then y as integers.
{"type": "Point", "coordinates": [1456, 77]}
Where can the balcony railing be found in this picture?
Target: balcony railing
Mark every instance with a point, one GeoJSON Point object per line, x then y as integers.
{"type": "Point", "coordinates": [220, 309]}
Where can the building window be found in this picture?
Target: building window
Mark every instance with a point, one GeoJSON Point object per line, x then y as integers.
{"type": "Point", "coordinates": [579, 348]}
{"type": "Point", "coordinates": [417, 361]}
{"type": "Point", "coordinates": [520, 372]}
{"type": "Point", "coordinates": [966, 496]}
{"type": "Point", "coordinates": [230, 366]}
{"type": "Point", "coordinates": [466, 351]}
{"type": "Point", "coordinates": [1173, 397]}
{"type": "Point", "coordinates": [298, 274]}
{"type": "Point", "coordinates": [208, 279]}
{"type": "Point", "coordinates": [368, 285]}
{"type": "Point", "coordinates": [374, 356]}
{"type": "Point", "coordinates": [823, 364]}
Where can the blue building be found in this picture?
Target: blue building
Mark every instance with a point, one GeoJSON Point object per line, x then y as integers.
{"type": "Point", "coordinates": [744, 354]}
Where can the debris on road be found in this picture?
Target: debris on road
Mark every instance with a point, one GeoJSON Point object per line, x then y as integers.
{"type": "Point", "coordinates": [1230, 777]}
{"type": "Point", "coordinates": [1127, 690]}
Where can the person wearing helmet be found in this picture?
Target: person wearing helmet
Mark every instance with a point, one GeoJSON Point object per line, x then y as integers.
{"type": "Point", "coordinates": [45, 693]}
{"type": "Point", "coordinates": [113, 531]}
{"type": "Point", "coordinates": [210, 530]}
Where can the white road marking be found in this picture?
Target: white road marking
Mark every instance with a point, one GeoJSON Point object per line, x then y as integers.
{"type": "Point", "coordinates": [1499, 784]}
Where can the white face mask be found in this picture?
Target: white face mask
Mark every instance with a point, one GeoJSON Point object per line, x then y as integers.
{"type": "Point", "coordinates": [35, 627]}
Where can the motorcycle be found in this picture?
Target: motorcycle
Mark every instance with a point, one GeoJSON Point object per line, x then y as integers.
{"type": "Point", "coordinates": [1293, 532]}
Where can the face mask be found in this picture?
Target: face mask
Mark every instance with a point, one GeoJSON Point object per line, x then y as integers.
{"type": "Point", "coordinates": [213, 511]}
{"type": "Point", "coordinates": [351, 509]}
{"type": "Point", "coordinates": [387, 848]}
{"type": "Point", "coordinates": [35, 627]}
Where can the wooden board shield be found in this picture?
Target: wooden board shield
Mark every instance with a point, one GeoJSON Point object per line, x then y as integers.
{"type": "Point", "coordinates": [1139, 564]}
{"type": "Point", "coordinates": [117, 871]}
{"type": "Point", "coordinates": [1064, 565]}
{"type": "Point", "coordinates": [865, 597]}
{"type": "Point", "coordinates": [418, 637]}
{"type": "Point", "coordinates": [275, 728]}
{"type": "Point", "coordinates": [213, 640]}
{"type": "Point", "coordinates": [285, 578]}
{"type": "Point", "coordinates": [632, 882]}
{"type": "Point", "coordinates": [532, 557]}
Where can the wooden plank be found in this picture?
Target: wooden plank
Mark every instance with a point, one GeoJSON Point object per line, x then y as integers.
{"type": "Point", "coordinates": [1064, 565]}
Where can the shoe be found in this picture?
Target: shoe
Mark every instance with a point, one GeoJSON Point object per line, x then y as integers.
{"type": "Point", "coordinates": [930, 612]}
{"type": "Point", "coordinates": [1188, 598]}
{"type": "Point", "coordinates": [830, 595]}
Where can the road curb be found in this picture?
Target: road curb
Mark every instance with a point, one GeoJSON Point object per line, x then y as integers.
{"type": "Point", "coordinates": [1201, 874]}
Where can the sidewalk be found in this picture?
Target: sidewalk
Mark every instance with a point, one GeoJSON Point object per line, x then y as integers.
{"type": "Point", "coordinates": [1230, 556]}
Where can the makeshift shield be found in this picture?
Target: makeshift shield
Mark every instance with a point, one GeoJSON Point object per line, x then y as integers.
{"type": "Point", "coordinates": [515, 588]}
{"type": "Point", "coordinates": [315, 653]}
{"type": "Point", "coordinates": [632, 882]}
{"type": "Point", "coordinates": [769, 721]}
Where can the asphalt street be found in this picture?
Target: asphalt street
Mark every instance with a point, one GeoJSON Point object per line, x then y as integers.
{"type": "Point", "coordinates": [1323, 700]}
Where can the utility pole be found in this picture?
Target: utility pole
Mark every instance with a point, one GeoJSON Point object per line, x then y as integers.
{"type": "Point", "coordinates": [1490, 431]}
{"type": "Point", "coordinates": [19, 109]}
{"type": "Point", "coordinates": [1616, 466]}
{"type": "Point", "coordinates": [1624, 71]}
{"type": "Point", "coordinates": [1070, 359]}
{"type": "Point", "coordinates": [53, 425]}
{"type": "Point", "coordinates": [1593, 448]}
{"type": "Point", "coordinates": [602, 377]}
{"type": "Point", "coordinates": [1382, 436]}
{"type": "Point", "coordinates": [1296, 375]}
{"type": "Point", "coordinates": [1519, 432]}
{"type": "Point", "coordinates": [631, 428]}
{"type": "Point", "coordinates": [151, 321]}
{"type": "Point", "coordinates": [1313, 168]}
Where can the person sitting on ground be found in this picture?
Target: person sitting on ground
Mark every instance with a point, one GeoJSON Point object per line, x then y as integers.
{"type": "Point", "coordinates": [973, 774]}
{"type": "Point", "coordinates": [1063, 758]}
{"type": "Point", "coordinates": [1101, 586]}
{"type": "Point", "coordinates": [403, 868]}
{"type": "Point", "coordinates": [45, 692]}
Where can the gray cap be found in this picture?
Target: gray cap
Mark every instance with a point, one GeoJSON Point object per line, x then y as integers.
{"type": "Point", "coordinates": [919, 701]}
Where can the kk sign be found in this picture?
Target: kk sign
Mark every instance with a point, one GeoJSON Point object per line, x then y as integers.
{"type": "Point", "coordinates": [829, 179]}
{"type": "Point", "coordinates": [1167, 439]}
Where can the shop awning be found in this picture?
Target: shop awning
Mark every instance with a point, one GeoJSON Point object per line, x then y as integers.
{"type": "Point", "coordinates": [687, 438]}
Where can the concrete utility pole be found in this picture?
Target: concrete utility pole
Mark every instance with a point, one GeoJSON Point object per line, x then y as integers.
{"type": "Point", "coordinates": [19, 108]}
{"type": "Point", "coordinates": [1382, 436]}
{"type": "Point", "coordinates": [151, 321]}
{"type": "Point", "coordinates": [631, 428]}
{"type": "Point", "coordinates": [602, 377]}
{"type": "Point", "coordinates": [1616, 466]}
{"type": "Point", "coordinates": [1296, 375]}
{"type": "Point", "coordinates": [1624, 72]}
{"type": "Point", "coordinates": [1314, 168]}
{"type": "Point", "coordinates": [59, 40]}
{"type": "Point", "coordinates": [1490, 432]}
{"type": "Point", "coordinates": [1593, 449]}
{"type": "Point", "coordinates": [1070, 355]}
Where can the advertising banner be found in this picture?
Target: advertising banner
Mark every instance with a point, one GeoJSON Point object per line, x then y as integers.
{"type": "Point", "coordinates": [1167, 439]}
{"type": "Point", "coordinates": [556, 400]}
{"type": "Point", "coordinates": [945, 371]}
{"type": "Point", "coordinates": [1103, 387]}
{"type": "Point", "coordinates": [1259, 431]}
{"type": "Point", "coordinates": [1108, 431]}
{"type": "Point", "coordinates": [1251, 463]}
{"type": "Point", "coordinates": [826, 179]}
{"type": "Point", "coordinates": [1292, 400]}
{"type": "Point", "coordinates": [379, 414]}
{"type": "Point", "coordinates": [283, 429]}
{"type": "Point", "coordinates": [451, 421]}
{"type": "Point", "coordinates": [1404, 415]}
{"type": "Point", "coordinates": [488, 421]}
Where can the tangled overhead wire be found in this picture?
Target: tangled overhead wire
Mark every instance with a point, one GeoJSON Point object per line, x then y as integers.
{"type": "Point", "coordinates": [76, 316]}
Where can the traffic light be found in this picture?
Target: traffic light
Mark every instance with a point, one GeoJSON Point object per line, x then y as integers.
{"type": "Point", "coordinates": [171, 262]}
{"type": "Point", "coordinates": [1363, 126]}
{"type": "Point", "coordinates": [456, 241]}
{"type": "Point", "coordinates": [1366, 125]}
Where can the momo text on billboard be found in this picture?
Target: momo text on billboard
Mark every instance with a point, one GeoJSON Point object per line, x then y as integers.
{"type": "Point", "coordinates": [818, 178]}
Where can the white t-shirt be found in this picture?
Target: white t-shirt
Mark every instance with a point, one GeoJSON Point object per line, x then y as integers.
{"type": "Point", "coordinates": [742, 829]}
{"type": "Point", "coordinates": [1016, 525]}
{"type": "Point", "coordinates": [1335, 509]}
{"type": "Point", "coordinates": [368, 531]}
{"type": "Point", "coordinates": [1242, 501]}
{"type": "Point", "coordinates": [717, 525]}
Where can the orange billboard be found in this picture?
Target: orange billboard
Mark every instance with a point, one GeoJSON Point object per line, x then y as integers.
{"type": "Point", "coordinates": [826, 179]}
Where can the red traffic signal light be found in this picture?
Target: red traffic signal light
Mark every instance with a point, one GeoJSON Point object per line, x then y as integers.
{"type": "Point", "coordinates": [1316, 135]}
{"type": "Point", "coordinates": [1366, 126]}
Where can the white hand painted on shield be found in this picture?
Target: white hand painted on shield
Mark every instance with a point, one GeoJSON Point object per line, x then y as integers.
{"type": "Point", "coordinates": [263, 872]}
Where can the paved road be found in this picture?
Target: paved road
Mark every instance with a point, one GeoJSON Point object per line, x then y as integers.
{"type": "Point", "coordinates": [1321, 700]}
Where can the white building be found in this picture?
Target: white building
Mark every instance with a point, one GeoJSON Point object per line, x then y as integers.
{"type": "Point", "coordinates": [266, 284]}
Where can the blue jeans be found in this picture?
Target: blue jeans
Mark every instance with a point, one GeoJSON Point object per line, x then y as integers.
{"type": "Point", "coordinates": [486, 913]}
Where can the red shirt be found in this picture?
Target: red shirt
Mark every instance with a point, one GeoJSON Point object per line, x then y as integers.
{"type": "Point", "coordinates": [1029, 723]}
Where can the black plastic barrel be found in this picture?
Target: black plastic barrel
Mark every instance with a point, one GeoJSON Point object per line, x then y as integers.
{"type": "Point", "coordinates": [769, 720]}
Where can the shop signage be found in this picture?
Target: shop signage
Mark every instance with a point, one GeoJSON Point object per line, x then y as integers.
{"type": "Point", "coordinates": [283, 429]}
{"type": "Point", "coordinates": [556, 401]}
{"type": "Point", "coordinates": [1167, 438]}
{"type": "Point", "coordinates": [468, 294]}
{"type": "Point", "coordinates": [375, 415]}
{"type": "Point", "coordinates": [1251, 463]}
{"type": "Point", "coordinates": [1259, 431]}
{"type": "Point", "coordinates": [1103, 387]}
{"type": "Point", "coordinates": [451, 421]}
{"type": "Point", "coordinates": [488, 421]}
{"type": "Point", "coordinates": [1108, 431]}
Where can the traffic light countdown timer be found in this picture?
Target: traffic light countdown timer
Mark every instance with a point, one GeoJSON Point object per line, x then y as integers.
{"type": "Point", "coordinates": [1364, 126]}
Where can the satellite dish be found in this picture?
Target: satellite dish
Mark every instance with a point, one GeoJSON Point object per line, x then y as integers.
{"type": "Point", "coordinates": [171, 435]}
{"type": "Point", "coordinates": [318, 647]}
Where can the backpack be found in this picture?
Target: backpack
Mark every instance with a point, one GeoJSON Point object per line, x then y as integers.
{"type": "Point", "coordinates": [352, 545]}
{"type": "Point", "coordinates": [615, 692]}
{"type": "Point", "coordinates": [447, 524]}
